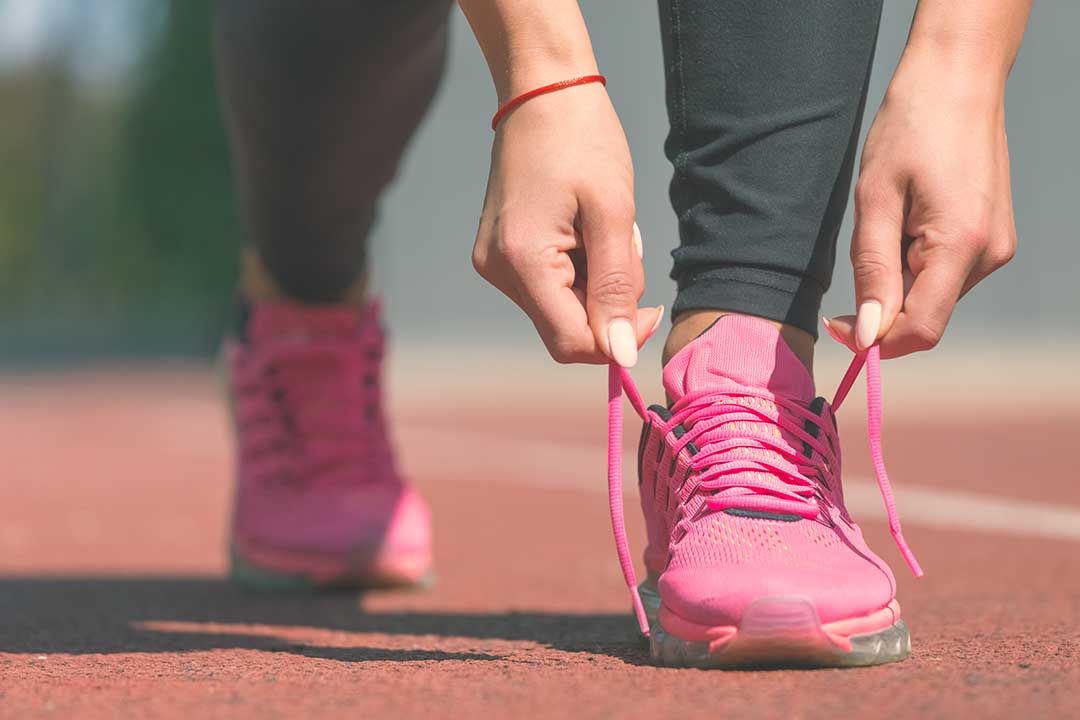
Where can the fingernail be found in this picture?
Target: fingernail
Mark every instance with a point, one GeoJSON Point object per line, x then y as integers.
{"type": "Point", "coordinates": [867, 324]}
{"type": "Point", "coordinates": [831, 330]}
{"type": "Point", "coordinates": [637, 242]}
{"type": "Point", "coordinates": [656, 324]}
{"type": "Point", "coordinates": [622, 343]}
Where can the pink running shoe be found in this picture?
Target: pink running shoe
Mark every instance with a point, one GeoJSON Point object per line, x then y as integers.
{"type": "Point", "coordinates": [752, 557]}
{"type": "Point", "coordinates": [319, 501]}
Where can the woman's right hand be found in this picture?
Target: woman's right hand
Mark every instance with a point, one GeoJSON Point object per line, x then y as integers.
{"type": "Point", "coordinates": [557, 232]}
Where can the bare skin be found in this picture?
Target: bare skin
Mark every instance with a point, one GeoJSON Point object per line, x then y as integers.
{"type": "Point", "coordinates": [933, 203]}
{"type": "Point", "coordinates": [691, 324]}
{"type": "Point", "coordinates": [258, 285]}
{"type": "Point", "coordinates": [560, 194]}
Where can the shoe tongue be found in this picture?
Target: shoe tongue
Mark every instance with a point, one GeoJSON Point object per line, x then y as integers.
{"type": "Point", "coordinates": [296, 321]}
{"type": "Point", "coordinates": [739, 351]}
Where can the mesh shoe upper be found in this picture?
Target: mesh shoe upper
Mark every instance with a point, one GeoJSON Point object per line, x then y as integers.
{"type": "Point", "coordinates": [315, 468]}
{"type": "Point", "coordinates": [740, 485]}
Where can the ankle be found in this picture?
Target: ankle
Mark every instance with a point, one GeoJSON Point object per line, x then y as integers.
{"type": "Point", "coordinates": [689, 325]}
{"type": "Point", "coordinates": [257, 283]}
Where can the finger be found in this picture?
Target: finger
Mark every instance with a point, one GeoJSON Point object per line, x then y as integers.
{"type": "Point", "coordinates": [841, 329]}
{"type": "Point", "coordinates": [978, 274]}
{"type": "Point", "coordinates": [561, 322]}
{"type": "Point", "coordinates": [648, 323]}
{"type": "Point", "coordinates": [615, 276]}
{"type": "Point", "coordinates": [991, 260]}
{"type": "Point", "coordinates": [876, 260]}
{"type": "Point", "coordinates": [928, 306]}
{"type": "Point", "coordinates": [648, 320]}
{"type": "Point", "coordinates": [557, 309]}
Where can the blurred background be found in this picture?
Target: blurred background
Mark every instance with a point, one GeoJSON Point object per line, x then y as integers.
{"type": "Point", "coordinates": [118, 253]}
{"type": "Point", "coordinates": [118, 232]}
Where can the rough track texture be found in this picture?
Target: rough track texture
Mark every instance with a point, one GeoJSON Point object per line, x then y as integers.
{"type": "Point", "coordinates": [114, 492]}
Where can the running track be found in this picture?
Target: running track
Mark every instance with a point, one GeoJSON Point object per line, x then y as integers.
{"type": "Point", "coordinates": [114, 492]}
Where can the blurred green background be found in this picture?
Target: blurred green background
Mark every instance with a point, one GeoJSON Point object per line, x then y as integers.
{"type": "Point", "coordinates": [118, 233]}
{"type": "Point", "coordinates": [117, 226]}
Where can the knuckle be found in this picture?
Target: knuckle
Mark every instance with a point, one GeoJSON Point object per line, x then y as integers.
{"type": "Point", "coordinates": [480, 259]}
{"type": "Point", "coordinates": [511, 245]}
{"type": "Point", "coordinates": [616, 205]}
{"type": "Point", "coordinates": [870, 193]}
{"type": "Point", "coordinates": [613, 286]}
{"type": "Point", "coordinates": [869, 264]}
{"type": "Point", "coordinates": [926, 336]}
{"type": "Point", "coordinates": [564, 350]}
{"type": "Point", "coordinates": [561, 356]}
{"type": "Point", "coordinates": [507, 237]}
{"type": "Point", "coordinates": [972, 233]}
{"type": "Point", "coordinates": [1000, 255]}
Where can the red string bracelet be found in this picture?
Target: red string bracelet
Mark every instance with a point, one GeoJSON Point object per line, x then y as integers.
{"type": "Point", "coordinates": [561, 85]}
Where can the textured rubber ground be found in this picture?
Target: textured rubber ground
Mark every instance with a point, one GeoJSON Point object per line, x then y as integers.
{"type": "Point", "coordinates": [115, 602]}
{"type": "Point", "coordinates": [774, 632]}
{"type": "Point", "coordinates": [250, 577]}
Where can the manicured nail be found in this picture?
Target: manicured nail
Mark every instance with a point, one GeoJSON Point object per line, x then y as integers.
{"type": "Point", "coordinates": [832, 331]}
{"type": "Point", "coordinates": [637, 241]}
{"type": "Point", "coordinates": [656, 324]}
{"type": "Point", "coordinates": [867, 324]}
{"type": "Point", "coordinates": [828, 328]}
{"type": "Point", "coordinates": [622, 342]}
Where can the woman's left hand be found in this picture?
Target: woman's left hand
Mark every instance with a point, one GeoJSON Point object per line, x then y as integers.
{"type": "Point", "coordinates": [933, 205]}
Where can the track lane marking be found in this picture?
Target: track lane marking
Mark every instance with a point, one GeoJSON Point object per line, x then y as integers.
{"type": "Point", "coordinates": [581, 466]}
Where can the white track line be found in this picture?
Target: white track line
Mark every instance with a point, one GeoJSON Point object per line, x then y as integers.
{"type": "Point", "coordinates": [581, 466]}
{"type": "Point", "coordinates": [966, 511]}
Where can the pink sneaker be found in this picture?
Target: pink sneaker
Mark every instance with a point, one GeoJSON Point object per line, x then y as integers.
{"type": "Point", "coordinates": [319, 501]}
{"type": "Point", "coordinates": [752, 558]}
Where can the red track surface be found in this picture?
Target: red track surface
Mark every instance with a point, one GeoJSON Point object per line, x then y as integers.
{"type": "Point", "coordinates": [113, 500]}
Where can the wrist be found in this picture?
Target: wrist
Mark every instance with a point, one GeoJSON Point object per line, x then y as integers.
{"type": "Point", "coordinates": [974, 59]}
{"type": "Point", "coordinates": [953, 74]}
{"type": "Point", "coordinates": [528, 69]}
{"type": "Point", "coordinates": [530, 43]}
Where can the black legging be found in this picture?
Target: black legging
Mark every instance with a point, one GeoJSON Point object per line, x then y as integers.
{"type": "Point", "coordinates": [765, 99]}
{"type": "Point", "coordinates": [321, 98]}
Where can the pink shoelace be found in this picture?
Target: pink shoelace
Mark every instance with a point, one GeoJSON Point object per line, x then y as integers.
{"type": "Point", "coordinates": [783, 480]}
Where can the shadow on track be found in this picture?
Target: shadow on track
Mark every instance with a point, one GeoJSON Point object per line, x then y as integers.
{"type": "Point", "coordinates": [76, 615]}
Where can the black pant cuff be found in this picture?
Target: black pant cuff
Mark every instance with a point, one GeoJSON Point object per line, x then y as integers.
{"type": "Point", "coordinates": [776, 296]}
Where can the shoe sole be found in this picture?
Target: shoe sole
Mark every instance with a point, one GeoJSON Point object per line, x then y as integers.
{"type": "Point", "coordinates": [252, 577]}
{"type": "Point", "coordinates": [774, 632]}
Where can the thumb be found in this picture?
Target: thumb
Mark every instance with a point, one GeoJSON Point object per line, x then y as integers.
{"type": "Point", "coordinates": [876, 260]}
{"type": "Point", "coordinates": [616, 279]}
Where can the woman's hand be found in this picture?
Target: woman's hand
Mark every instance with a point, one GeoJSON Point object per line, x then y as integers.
{"type": "Point", "coordinates": [933, 204]}
{"type": "Point", "coordinates": [557, 233]}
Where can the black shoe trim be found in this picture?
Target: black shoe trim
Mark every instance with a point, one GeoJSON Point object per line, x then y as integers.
{"type": "Point", "coordinates": [763, 515]}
